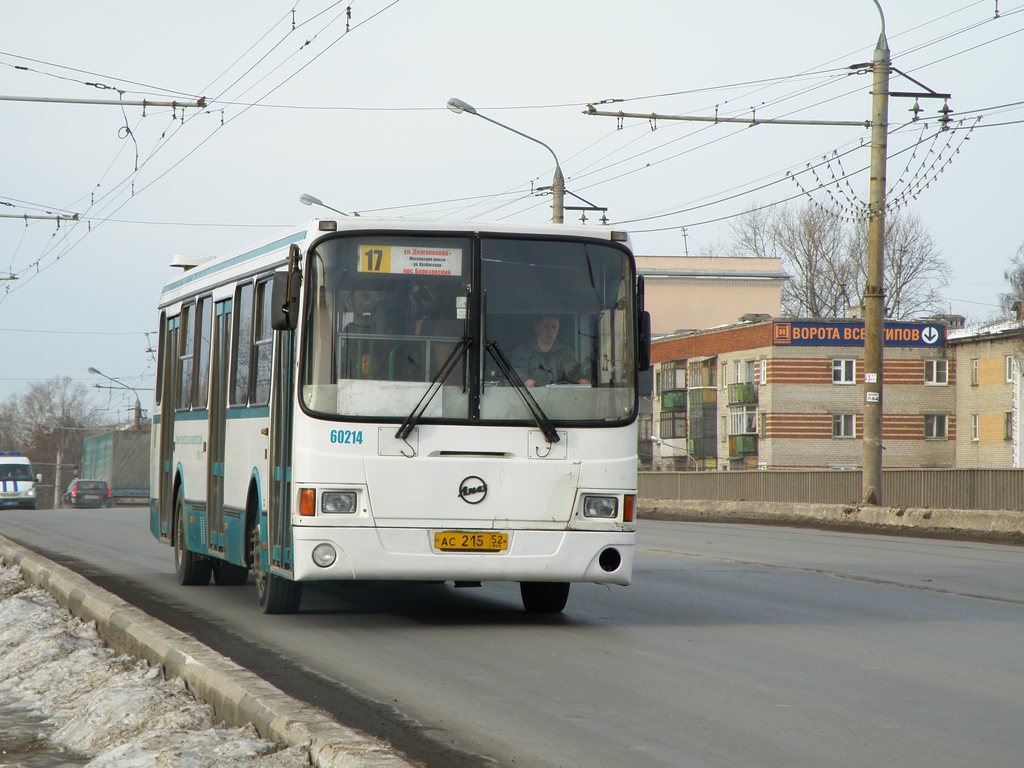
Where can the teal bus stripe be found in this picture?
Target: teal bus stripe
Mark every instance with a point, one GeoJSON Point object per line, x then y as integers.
{"type": "Point", "coordinates": [254, 412]}
{"type": "Point", "coordinates": [201, 415]}
{"type": "Point", "coordinates": [205, 271]}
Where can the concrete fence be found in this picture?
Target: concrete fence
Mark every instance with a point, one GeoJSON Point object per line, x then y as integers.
{"type": "Point", "coordinates": [919, 488]}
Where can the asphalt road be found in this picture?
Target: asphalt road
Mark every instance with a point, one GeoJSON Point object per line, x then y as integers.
{"type": "Point", "coordinates": [736, 646]}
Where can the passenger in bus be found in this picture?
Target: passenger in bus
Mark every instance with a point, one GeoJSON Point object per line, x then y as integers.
{"type": "Point", "coordinates": [544, 360]}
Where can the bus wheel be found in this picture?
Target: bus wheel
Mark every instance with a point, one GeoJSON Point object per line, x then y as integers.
{"type": "Point", "coordinates": [275, 594]}
{"type": "Point", "coordinates": [227, 574]}
{"type": "Point", "coordinates": [193, 570]}
{"type": "Point", "coordinates": [544, 596]}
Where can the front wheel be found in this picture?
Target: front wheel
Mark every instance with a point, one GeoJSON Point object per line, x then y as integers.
{"type": "Point", "coordinates": [275, 594]}
{"type": "Point", "coordinates": [544, 596]}
{"type": "Point", "coordinates": [193, 570]}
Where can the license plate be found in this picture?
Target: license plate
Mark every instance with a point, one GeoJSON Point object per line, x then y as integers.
{"type": "Point", "coordinates": [470, 541]}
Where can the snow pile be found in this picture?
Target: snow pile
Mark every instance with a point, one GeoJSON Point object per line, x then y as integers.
{"type": "Point", "coordinates": [116, 710]}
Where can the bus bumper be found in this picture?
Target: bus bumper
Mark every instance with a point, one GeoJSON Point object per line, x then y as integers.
{"type": "Point", "coordinates": [408, 554]}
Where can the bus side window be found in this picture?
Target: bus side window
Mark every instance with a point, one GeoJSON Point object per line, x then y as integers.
{"type": "Point", "coordinates": [204, 327]}
{"type": "Point", "coordinates": [185, 358]}
{"type": "Point", "coordinates": [242, 343]}
{"type": "Point", "coordinates": [263, 348]}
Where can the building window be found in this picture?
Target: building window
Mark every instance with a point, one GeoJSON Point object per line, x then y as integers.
{"type": "Point", "coordinates": [974, 427]}
{"type": "Point", "coordinates": [749, 368]}
{"type": "Point", "coordinates": [936, 372]}
{"type": "Point", "coordinates": [763, 373]}
{"type": "Point", "coordinates": [1009, 368]}
{"type": "Point", "coordinates": [673, 376]}
{"type": "Point", "coordinates": [935, 426]}
{"type": "Point", "coordinates": [725, 375]}
{"type": "Point", "coordinates": [974, 372]}
{"type": "Point", "coordinates": [844, 426]}
{"type": "Point", "coordinates": [844, 371]}
{"type": "Point", "coordinates": [1008, 425]}
{"type": "Point", "coordinates": [672, 425]}
{"type": "Point", "coordinates": [743, 420]}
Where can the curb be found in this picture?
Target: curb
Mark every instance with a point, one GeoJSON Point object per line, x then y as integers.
{"type": "Point", "coordinates": [969, 523]}
{"type": "Point", "coordinates": [237, 695]}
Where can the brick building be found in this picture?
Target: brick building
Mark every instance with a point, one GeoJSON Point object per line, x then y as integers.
{"type": "Point", "coordinates": [989, 395]}
{"type": "Point", "coordinates": [789, 394]}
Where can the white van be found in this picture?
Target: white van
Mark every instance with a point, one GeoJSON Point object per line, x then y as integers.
{"type": "Point", "coordinates": [17, 481]}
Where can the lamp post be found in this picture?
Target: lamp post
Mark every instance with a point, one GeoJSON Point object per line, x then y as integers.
{"type": "Point", "coordinates": [138, 404]}
{"type": "Point", "coordinates": [458, 106]}
{"type": "Point", "coordinates": [307, 199]}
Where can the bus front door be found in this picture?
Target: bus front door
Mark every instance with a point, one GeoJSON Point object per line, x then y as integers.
{"type": "Point", "coordinates": [279, 527]}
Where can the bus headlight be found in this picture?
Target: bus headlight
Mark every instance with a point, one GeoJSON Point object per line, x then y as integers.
{"type": "Point", "coordinates": [324, 555]}
{"type": "Point", "coordinates": [606, 507]}
{"type": "Point", "coordinates": [338, 502]}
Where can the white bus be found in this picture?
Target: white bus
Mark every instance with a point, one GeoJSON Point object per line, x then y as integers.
{"type": "Point", "coordinates": [343, 403]}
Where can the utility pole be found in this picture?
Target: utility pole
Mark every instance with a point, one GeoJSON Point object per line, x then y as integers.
{"type": "Point", "coordinates": [874, 294]}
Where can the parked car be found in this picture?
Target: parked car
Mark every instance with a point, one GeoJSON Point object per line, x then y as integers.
{"type": "Point", "coordinates": [87, 493]}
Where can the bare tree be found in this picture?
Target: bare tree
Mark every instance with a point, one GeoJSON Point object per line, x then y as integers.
{"type": "Point", "coordinates": [913, 269]}
{"type": "Point", "coordinates": [48, 423]}
{"type": "Point", "coordinates": [753, 234]}
{"type": "Point", "coordinates": [827, 261]}
{"type": "Point", "coordinates": [1012, 301]}
{"type": "Point", "coordinates": [813, 247]}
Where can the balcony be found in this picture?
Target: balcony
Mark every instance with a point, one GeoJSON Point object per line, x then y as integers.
{"type": "Point", "coordinates": [702, 447]}
{"type": "Point", "coordinates": [744, 393]}
{"type": "Point", "coordinates": [742, 445]}
{"type": "Point", "coordinates": [673, 400]}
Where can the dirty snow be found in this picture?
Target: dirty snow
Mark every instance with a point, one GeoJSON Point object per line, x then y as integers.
{"type": "Point", "coordinates": [68, 700]}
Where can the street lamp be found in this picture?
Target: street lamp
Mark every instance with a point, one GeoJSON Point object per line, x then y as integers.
{"type": "Point", "coordinates": [138, 403]}
{"type": "Point", "coordinates": [458, 106]}
{"type": "Point", "coordinates": [307, 199]}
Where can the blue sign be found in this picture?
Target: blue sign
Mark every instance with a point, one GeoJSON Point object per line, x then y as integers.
{"type": "Point", "coordinates": [850, 333]}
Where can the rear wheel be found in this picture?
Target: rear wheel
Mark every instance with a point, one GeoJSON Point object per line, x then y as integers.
{"type": "Point", "coordinates": [193, 570]}
{"type": "Point", "coordinates": [275, 594]}
{"type": "Point", "coordinates": [544, 596]}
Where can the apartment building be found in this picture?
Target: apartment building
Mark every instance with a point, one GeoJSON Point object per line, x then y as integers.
{"type": "Point", "coordinates": [989, 394]}
{"type": "Point", "coordinates": [784, 393]}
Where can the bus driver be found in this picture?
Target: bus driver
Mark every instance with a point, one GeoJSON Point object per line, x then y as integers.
{"type": "Point", "coordinates": [545, 361]}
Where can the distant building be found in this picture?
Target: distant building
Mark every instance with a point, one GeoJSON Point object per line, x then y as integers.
{"type": "Point", "coordinates": [989, 394]}
{"type": "Point", "coordinates": [688, 293]}
{"type": "Point", "coordinates": [784, 393]}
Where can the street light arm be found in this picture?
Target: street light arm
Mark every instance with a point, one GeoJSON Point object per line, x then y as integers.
{"type": "Point", "coordinates": [138, 400]}
{"type": "Point", "coordinates": [558, 168]}
{"type": "Point", "coordinates": [458, 106]}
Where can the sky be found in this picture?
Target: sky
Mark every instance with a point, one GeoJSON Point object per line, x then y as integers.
{"type": "Point", "coordinates": [346, 101]}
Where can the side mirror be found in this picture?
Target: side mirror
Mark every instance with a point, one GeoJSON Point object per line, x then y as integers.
{"type": "Point", "coordinates": [284, 294]}
{"type": "Point", "coordinates": [643, 328]}
{"type": "Point", "coordinates": [644, 342]}
{"type": "Point", "coordinates": [39, 477]}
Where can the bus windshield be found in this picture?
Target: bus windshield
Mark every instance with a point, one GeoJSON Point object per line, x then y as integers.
{"type": "Point", "coordinates": [384, 313]}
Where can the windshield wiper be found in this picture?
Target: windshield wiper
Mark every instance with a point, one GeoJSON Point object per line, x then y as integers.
{"type": "Point", "coordinates": [541, 418]}
{"type": "Point", "coordinates": [435, 385]}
